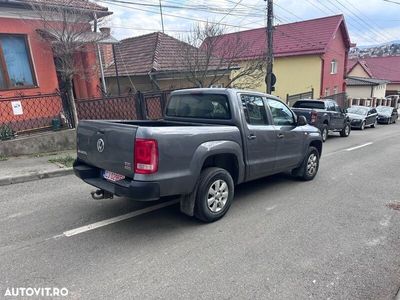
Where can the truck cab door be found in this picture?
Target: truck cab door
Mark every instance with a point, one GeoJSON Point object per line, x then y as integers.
{"type": "Point", "coordinates": [290, 138]}
{"type": "Point", "coordinates": [259, 137]}
{"type": "Point", "coordinates": [340, 116]}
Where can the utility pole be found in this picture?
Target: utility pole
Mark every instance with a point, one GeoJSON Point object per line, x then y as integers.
{"type": "Point", "coordinates": [270, 49]}
{"type": "Point", "coordinates": [162, 20]}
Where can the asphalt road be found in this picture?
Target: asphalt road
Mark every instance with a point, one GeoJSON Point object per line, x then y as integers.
{"type": "Point", "coordinates": [332, 238]}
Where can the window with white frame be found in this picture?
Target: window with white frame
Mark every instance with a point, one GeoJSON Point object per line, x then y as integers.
{"type": "Point", "coordinates": [333, 66]}
{"type": "Point", "coordinates": [335, 90]}
{"type": "Point", "coordinates": [326, 92]}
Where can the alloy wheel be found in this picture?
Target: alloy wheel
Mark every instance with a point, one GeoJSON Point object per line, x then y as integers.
{"type": "Point", "coordinates": [312, 164]}
{"type": "Point", "coordinates": [217, 195]}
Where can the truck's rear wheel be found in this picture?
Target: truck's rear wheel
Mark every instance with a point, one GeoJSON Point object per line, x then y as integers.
{"type": "Point", "coordinates": [346, 130]}
{"type": "Point", "coordinates": [214, 195]}
{"type": "Point", "coordinates": [324, 132]}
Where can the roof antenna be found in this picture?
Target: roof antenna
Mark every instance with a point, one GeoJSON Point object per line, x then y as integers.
{"type": "Point", "coordinates": [162, 20]}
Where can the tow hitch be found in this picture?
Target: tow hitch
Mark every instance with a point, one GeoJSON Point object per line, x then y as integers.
{"type": "Point", "coordinates": [101, 194]}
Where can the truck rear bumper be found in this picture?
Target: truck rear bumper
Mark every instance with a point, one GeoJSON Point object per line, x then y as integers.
{"type": "Point", "coordinates": [137, 190]}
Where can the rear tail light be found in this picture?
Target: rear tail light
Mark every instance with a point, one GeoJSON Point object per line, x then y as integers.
{"type": "Point", "coordinates": [313, 117]}
{"type": "Point", "coordinates": [146, 156]}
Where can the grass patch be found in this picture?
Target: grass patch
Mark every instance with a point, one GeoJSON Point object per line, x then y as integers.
{"type": "Point", "coordinates": [3, 157]}
{"type": "Point", "coordinates": [66, 161]}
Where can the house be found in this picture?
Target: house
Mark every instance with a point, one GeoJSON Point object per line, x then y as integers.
{"type": "Point", "coordinates": [361, 87]}
{"type": "Point", "coordinates": [309, 55]}
{"type": "Point", "coordinates": [29, 80]}
{"type": "Point", "coordinates": [385, 68]}
{"type": "Point", "coordinates": [157, 61]}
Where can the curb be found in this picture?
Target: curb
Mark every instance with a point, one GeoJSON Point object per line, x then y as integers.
{"type": "Point", "coordinates": [35, 176]}
{"type": "Point", "coordinates": [397, 297]}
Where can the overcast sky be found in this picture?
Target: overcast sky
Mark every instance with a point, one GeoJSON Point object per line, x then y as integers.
{"type": "Point", "coordinates": [369, 22]}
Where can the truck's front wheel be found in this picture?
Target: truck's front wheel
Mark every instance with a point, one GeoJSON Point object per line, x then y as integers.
{"type": "Point", "coordinates": [214, 195]}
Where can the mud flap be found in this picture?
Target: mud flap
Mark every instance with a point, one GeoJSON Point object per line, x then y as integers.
{"type": "Point", "coordinates": [188, 201]}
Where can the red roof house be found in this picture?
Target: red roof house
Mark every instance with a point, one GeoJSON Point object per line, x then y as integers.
{"type": "Point", "coordinates": [325, 39]}
{"type": "Point", "coordinates": [384, 67]}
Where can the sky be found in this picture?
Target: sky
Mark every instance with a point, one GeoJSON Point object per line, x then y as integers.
{"type": "Point", "coordinates": [370, 22]}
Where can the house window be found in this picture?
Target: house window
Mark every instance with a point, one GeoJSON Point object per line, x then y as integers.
{"type": "Point", "coordinates": [15, 62]}
{"type": "Point", "coordinates": [326, 92]}
{"type": "Point", "coordinates": [335, 90]}
{"type": "Point", "coordinates": [333, 66]}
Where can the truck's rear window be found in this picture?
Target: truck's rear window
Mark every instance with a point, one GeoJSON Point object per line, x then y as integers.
{"type": "Point", "coordinates": [309, 104]}
{"type": "Point", "coordinates": [199, 106]}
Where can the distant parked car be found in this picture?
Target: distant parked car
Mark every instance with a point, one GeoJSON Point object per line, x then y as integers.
{"type": "Point", "coordinates": [324, 114]}
{"type": "Point", "coordinates": [387, 114]}
{"type": "Point", "coordinates": [361, 116]}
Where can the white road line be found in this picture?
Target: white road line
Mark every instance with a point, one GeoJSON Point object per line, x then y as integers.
{"type": "Point", "coordinates": [106, 222]}
{"type": "Point", "coordinates": [358, 147]}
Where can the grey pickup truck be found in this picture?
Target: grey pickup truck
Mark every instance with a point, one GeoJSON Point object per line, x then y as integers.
{"type": "Point", "coordinates": [208, 141]}
{"type": "Point", "coordinates": [325, 114]}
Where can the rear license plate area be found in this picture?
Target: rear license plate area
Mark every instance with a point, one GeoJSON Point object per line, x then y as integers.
{"type": "Point", "coordinates": [111, 176]}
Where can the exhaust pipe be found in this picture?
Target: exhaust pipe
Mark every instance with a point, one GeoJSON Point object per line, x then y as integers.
{"type": "Point", "coordinates": [101, 194]}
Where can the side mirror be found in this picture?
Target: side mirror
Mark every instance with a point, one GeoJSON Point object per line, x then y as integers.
{"type": "Point", "coordinates": [301, 121]}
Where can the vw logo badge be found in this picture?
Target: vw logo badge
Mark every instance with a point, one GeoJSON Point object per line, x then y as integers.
{"type": "Point", "coordinates": [100, 145]}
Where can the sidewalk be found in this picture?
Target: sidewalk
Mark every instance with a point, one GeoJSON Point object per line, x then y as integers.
{"type": "Point", "coordinates": [28, 168]}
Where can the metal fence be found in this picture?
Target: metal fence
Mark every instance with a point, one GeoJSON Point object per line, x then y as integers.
{"type": "Point", "coordinates": [341, 99]}
{"type": "Point", "coordinates": [117, 108]}
{"type": "Point", "coordinates": [139, 106]}
{"type": "Point", "coordinates": [27, 113]}
{"type": "Point", "coordinates": [291, 99]}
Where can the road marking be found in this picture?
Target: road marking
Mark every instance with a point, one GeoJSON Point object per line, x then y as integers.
{"type": "Point", "coordinates": [106, 222]}
{"type": "Point", "coordinates": [360, 146]}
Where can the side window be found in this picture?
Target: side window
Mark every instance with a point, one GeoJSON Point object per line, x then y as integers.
{"type": "Point", "coordinates": [373, 111]}
{"type": "Point", "coordinates": [281, 114]}
{"type": "Point", "coordinates": [337, 108]}
{"type": "Point", "coordinates": [254, 110]}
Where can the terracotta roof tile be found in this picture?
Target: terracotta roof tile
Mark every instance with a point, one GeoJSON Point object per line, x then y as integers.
{"type": "Point", "coordinates": [299, 38]}
{"type": "Point", "coordinates": [83, 4]}
{"type": "Point", "coordinates": [154, 52]}
{"type": "Point", "coordinates": [384, 67]}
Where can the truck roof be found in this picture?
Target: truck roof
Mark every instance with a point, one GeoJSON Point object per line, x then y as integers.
{"type": "Point", "coordinates": [221, 91]}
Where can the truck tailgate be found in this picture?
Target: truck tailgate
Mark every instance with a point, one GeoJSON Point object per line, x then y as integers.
{"type": "Point", "coordinates": [107, 145]}
{"type": "Point", "coordinates": [306, 112]}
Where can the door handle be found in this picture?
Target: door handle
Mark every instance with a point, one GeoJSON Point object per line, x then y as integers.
{"type": "Point", "coordinates": [280, 135]}
{"type": "Point", "coordinates": [251, 137]}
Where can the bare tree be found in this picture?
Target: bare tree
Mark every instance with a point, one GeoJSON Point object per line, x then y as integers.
{"type": "Point", "coordinates": [66, 26]}
{"type": "Point", "coordinates": [205, 60]}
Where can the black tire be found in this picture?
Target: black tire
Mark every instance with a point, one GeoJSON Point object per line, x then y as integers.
{"type": "Point", "coordinates": [304, 171]}
{"type": "Point", "coordinates": [362, 127]}
{"type": "Point", "coordinates": [324, 132]}
{"type": "Point", "coordinates": [208, 178]}
{"type": "Point", "coordinates": [374, 124]}
{"type": "Point", "coordinates": [345, 132]}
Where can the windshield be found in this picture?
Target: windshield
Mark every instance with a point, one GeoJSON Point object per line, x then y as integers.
{"type": "Point", "coordinates": [199, 106]}
{"type": "Point", "coordinates": [358, 110]}
{"type": "Point", "coordinates": [309, 104]}
{"type": "Point", "coordinates": [384, 109]}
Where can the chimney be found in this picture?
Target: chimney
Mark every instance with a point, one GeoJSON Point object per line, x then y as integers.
{"type": "Point", "coordinates": [106, 49]}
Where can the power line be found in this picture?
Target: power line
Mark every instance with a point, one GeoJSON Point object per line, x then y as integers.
{"type": "Point", "coordinates": [171, 15]}
{"type": "Point", "coordinates": [363, 21]}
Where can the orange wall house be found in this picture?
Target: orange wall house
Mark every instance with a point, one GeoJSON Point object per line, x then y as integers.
{"type": "Point", "coordinates": [28, 73]}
